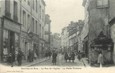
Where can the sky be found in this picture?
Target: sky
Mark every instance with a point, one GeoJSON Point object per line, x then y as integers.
{"type": "Point", "coordinates": [62, 12]}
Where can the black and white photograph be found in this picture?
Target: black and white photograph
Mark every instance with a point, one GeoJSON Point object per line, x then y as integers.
{"type": "Point", "coordinates": [57, 33]}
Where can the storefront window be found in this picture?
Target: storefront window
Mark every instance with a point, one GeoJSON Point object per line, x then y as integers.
{"type": "Point", "coordinates": [5, 44]}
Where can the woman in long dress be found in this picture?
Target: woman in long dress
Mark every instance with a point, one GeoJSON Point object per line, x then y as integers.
{"type": "Point", "coordinates": [100, 59]}
{"type": "Point", "coordinates": [54, 58]}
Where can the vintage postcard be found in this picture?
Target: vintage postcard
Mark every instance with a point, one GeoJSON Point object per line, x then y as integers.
{"type": "Point", "coordinates": [57, 36]}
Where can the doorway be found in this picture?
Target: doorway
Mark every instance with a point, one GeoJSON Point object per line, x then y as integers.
{"type": "Point", "coordinates": [11, 42]}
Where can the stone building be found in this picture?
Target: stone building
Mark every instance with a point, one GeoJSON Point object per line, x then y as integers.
{"type": "Point", "coordinates": [47, 30]}
{"type": "Point", "coordinates": [56, 41]}
{"type": "Point", "coordinates": [22, 26]}
{"type": "Point", "coordinates": [112, 24]}
{"type": "Point", "coordinates": [98, 30]}
{"type": "Point", "coordinates": [64, 38]}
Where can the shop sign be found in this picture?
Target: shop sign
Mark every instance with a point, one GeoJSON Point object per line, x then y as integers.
{"type": "Point", "coordinates": [11, 26]}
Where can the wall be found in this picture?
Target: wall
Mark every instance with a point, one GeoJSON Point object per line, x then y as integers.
{"type": "Point", "coordinates": [0, 39]}
{"type": "Point", "coordinates": [113, 38]}
{"type": "Point", "coordinates": [65, 38]}
{"type": "Point", "coordinates": [97, 17]}
{"type": "Point", "coordinates": [112, 9]}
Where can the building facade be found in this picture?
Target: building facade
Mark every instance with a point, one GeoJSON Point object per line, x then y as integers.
{"type": "Point", "coordinates": [56, 41]}
{"type": "Point", "coordinates": [64, 39]}
{"type": "Point", "coordinates": [75, 29]}
{"type": "Point", "coordinates": [47, 30]}
{"type": "Point", "coordinates": [22, 26]}
{"type": "Point", "coordinates": [97, 22]}
{"type": "Point", "coordinates": [70, 38]}
{"type": "Point", "coordinates": [112, 24]}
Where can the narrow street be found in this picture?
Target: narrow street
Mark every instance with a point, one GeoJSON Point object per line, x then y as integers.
{"type": "Point", "coordinates": [60, 62]}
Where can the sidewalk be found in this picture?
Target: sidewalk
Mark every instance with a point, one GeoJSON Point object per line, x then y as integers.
{"type": "Point", "coordinates": [28, 64]}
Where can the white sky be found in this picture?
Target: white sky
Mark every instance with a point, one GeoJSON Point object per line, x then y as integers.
{"type": "Point", "coordinates": [62, 12]}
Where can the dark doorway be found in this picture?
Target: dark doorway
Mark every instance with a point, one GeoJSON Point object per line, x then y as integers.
{"type": "Point", "coordinates": [12, 42]}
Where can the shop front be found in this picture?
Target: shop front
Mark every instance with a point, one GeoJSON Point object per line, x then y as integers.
{"type": "Point", "coordinates": [10, 37]}
{"type": "Point", "coordinates": [112, 24]}
{"type": "Point", "coordinates": [102, 44]}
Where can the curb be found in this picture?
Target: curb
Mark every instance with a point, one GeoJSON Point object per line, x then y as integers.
{"type": "Point", "coordinates": [37, 62]}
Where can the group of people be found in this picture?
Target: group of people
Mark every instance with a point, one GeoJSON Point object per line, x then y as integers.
{"type": "Point", "coordinates": [30, 57]}
{"type": "Point", "coordinates": [69, 56]}
{"type": "Point", "coordinates": [15, 57]}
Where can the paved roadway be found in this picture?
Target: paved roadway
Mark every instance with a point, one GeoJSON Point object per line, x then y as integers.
{"type": "Point", "coordinates": [60, 62]}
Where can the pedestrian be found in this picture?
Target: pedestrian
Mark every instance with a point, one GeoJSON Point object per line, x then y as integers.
{"type": "Point", "coordinates": [5, 54]}
{"type": "Point", "coordinates": [69, 56]}
{"type": "Point", "coordinates": [100, 59]}
{"type": "Point", "coordinates": [73, 57]}
{"type": "Point", "coordinates": [66, 56]}
{"type": "Point", "coordinates": [28, 57]}
{"type": "Point", "coordinates": [16, 55]}
{"type": "Point", "coordinates": [79, 56]}
{"type": "Point", "coordinates": [54, 58]}
{"type": "Point", "coordinates": [11, 59]}
{"type": "Point", "coordinates": [19, 57]}
{"type": "Point", "coordinates": [31, 55]}
{"type": "Point", "coordinates": [35, 55]}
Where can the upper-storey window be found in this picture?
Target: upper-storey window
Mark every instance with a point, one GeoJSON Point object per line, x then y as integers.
{"type": "Point", "coordinates": [15, 16]}
{"type": "Point", "coordinates": [33, 4]}
{"type": "Point", "coordinates": [29, 2]}
{"type": "Point", "coordinates": [7, 8]}
{"type": "Point", "coordinates": [36, 6]}
{"type": "Point", "coordinates": [102, 3]}
{"type": "Point", "coordinates": [24, 18]}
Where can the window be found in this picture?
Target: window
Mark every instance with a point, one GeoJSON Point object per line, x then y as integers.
{"type": "Point", "coordinates": [33, 24]}
{"type": "Point", "coordinates": [33, 4]}
{"type": "Point", "coordinates": [28, 22]}
{"type": "Point", "coordinates": [102, 3]}
{"type": "Point", "coordinates": [15, 11]}
{"type": "Point", "coordinates": [36, 28]}
{"type": "Point", "coordinates": [36, 6]}
{"type": "Point", "coordinates": [24, 18]}
{"type": "Point", "coordinates": [29, 2]}
{"type": "Point", "coordinates": [43, 15]}
{"type": "Point", "coordinates": [7, 8]}
{"type": "Point", "coordinates": [40, 12]}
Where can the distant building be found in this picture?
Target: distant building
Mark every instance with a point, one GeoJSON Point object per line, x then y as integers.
{"type": "Point", "coordinates": [65, 38]}
{"type": "Point", "coordinates": [70, 36]}
{"type": "Point", "coordinates": [56, 41]}
{"type": "Point", "coordinates": [47, 30]}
